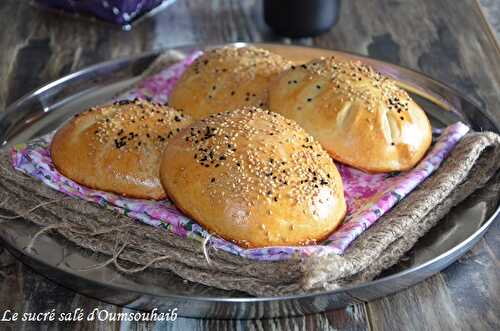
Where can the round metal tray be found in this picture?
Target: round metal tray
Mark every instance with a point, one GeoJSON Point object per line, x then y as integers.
{"type": "Point", "coordinates": [45, 109]}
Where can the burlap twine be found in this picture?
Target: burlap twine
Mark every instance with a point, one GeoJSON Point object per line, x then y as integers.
{"type": "Point", "coordinates": [471, 165]}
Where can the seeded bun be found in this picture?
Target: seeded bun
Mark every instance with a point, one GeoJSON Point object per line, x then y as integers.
{"type": "Point", "coordinates": [254, 178]}
{"type": "Point", "coordinates": [117, 148]}
{"type": "Point", "coordinates": [359, 116]}
{"type": "Point", "coordinates": [227, 78]}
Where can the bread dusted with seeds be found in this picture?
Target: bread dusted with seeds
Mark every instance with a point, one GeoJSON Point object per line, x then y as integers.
{"type": "Point", "coordinates": [117, 148]}
{"type": "Point", "coordinates": [227, 78]}
{"type": "Point", "coordinates": [359, 116]}
{"type": "Point", "coordinates": [255, 178]}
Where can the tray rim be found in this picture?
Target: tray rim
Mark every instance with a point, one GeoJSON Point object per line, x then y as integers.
{"type": "Point", "coordinates": [476, 235]}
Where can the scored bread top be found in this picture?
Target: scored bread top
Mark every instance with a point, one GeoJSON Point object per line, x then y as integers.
{"type": "Point", "coordinates": [117, 147]}
{"type": "Point", "coordinates": [361, 117]}
{"type": "Point", "coordinates": [226, 78]}
{"type": "Point", "coordinates": [255, 178]}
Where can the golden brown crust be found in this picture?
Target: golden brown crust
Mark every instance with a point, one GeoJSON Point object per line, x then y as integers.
{"type": "Point", "coordinates": [227, 78]}
{"type": "Point", "coordinates": [255, 178]}
{"type": "Point", "coordinates": [359, 116]}
{"type": "Point", "coordinates": [117, 148]}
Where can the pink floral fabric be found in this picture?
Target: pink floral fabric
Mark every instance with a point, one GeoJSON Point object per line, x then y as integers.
{"type": "Point", "coordinates": [368, 196]}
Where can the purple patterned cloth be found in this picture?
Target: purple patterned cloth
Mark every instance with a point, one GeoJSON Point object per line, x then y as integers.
{"type": "Point", "coordinates": [122, 12]}
{"type": "Point", "coordinates": [368, 196]}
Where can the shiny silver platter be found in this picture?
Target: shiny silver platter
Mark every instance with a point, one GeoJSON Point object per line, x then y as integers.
{"type": "Point", "coordinates": [46, 108]}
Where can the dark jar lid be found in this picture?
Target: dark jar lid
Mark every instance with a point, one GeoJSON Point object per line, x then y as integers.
{"type": "Point", "coordinates": [301, 18]}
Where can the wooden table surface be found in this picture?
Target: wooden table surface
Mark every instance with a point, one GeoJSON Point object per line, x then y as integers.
{"type": "Point", "coordinates": [447, 39]}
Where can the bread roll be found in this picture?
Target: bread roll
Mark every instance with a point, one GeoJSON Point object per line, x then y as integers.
{"type": "Point", "coordinates": [255, 178]}
{"type": "Point", "coordinates": [227, 78]}
{"type": "Point", "coordinates": [359, 116]}
{"type": "Point", "coordinates": [117, 148]}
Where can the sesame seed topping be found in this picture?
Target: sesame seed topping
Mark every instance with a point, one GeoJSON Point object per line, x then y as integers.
{"type": "Point", "coordinates": [353, 78]}
{"type": "Point", "coordinates": [128, 122]}
{"type": "Point", "coordinates": [249, 165]}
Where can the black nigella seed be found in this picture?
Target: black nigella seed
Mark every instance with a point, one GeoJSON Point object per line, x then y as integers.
{"type": "Point", "coordinates": [233, 93]}
{"type": "Point", "coordinates": [119, 143]}
{"type": "Point", "coordinates": [318, 87]}
{"type": "Point", "coordinates": [275, 199]}
{"type": "Point", "coordinates": [177, 118]}
{"type": "Point", "coordinates": [402, 118]}
{"type": "Point", "coordinates": [309, 99]}
{"type": "Point", "coordinates": [212, 180]}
